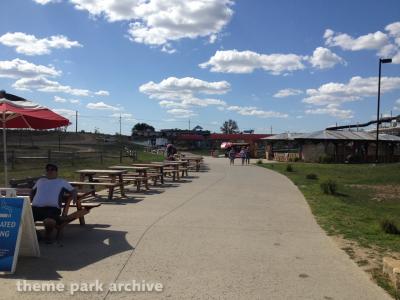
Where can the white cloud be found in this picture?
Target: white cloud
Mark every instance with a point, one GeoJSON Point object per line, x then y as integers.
{"type": "Point", "coordinates": [30, 45]}
{"type": "Point", "coordinates": [185, 93]}
{"type": "Point", "coordinates": [369, 41]}
{"type": "Point", "coordinates": [181, 113]}
{"type": "Point", "coordinates": [122, 115]}
{"type": "Point", "coordinates": [331, 110]}
{"type": "Point", "coordinates": [233, 61]}
{"type": "Point", "coordinates": [158, 22]}
{"type": "Point", "coordinates": [18, 68]}
{"type": "Point", "coordinates": [386, 45]}
{"type": "Point", "coordinates": [101, 106]}
{"type": "Point", "coordinates": [356, 89]}
{"type": "Point", "coordinates": [74, 101]}
{"type": "Point", "coordinates": [396, 58]}
{"type": "Point", "coordinates": [44, 2]}
{"type": "Point", "coordinates": [173, 86]}
{"type": "Point", "coordinates": [43, 84]}
{"type": "Point", "coordinates": [254, 111]}
{"type": "Point", "coordinates": [59, 99]}
{"type": "Point", "coordinates": [324, 58]}
{"type": "Point", "coordinates": [65, 112]}
{"type": "Point", "coordinates": [102, 93]}
{"type": "Point", "coordinates": [287, 92]}
{"type": "Point", "coordinates": [393, 29]}
{"type": "Point", "coordinates": [397, 105]}
{"type": "Point", "coordinates": [167, 48]}
{"type": "Point", "coordinates": [125, 116]}
{"type": "Point", "coordinates": [171, 104]}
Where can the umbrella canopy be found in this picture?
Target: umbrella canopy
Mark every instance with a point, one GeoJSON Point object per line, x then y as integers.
{"type": "Point", "coordinates": [226, 145]}
{"type": "Point", "coordinates": [17, 112]}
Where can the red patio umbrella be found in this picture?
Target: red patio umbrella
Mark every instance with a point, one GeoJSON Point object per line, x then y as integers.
{"type": "Point", "coordinates": [17, 112]}
{"type": "Point", "coordinates": [226, 145]}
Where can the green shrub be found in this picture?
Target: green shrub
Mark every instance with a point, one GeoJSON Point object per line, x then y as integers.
{"type": "Point", "coordinates": [312, 176]}
{"type": "Point", "coordinates": [259, 162]}
{"type": "Point", "coordinates": [325, 159]}
{"type": "Point", "coordinates": [329, 187]}
{"type": "Point", "coordinates": [296, 159]}
{"type": "Point", "coordinates": [389, 226]}
{"type": "Point", "coordinates": [289, 168]}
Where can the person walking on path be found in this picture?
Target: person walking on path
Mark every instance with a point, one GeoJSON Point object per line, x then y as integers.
{"type": "Point", "coordinates": [232, 155]}
{"type": "Point", "coordinates": [242, 155]}
{"type": "Point", "coordinates": [247, 152]}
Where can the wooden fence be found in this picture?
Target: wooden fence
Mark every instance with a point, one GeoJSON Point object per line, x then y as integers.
{"type": "Point", "coordinates": [16, 156]}
{"type": "Point", "coordinates": [286, 156]}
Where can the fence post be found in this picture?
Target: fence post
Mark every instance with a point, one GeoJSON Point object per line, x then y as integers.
{"type": "Point", "coordinates": [12, 159]}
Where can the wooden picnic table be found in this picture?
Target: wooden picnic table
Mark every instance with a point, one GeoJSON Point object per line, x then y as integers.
{"type": "Point", "coordinates": [81, 208]}
{"type": "Point", "coordinates": [196, 159]}
{"type": "Point", "coordinates": [155, 166]}
{"type": "Point", "coordinates": [115, 177]}
{"type": "Point", "coordinates": [140, 170]}
{"type": "Point", "coordinates": [175, 164]}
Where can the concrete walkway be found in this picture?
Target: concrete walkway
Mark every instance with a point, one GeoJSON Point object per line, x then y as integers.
{"type": "Point", "coordinates": [226, 233]}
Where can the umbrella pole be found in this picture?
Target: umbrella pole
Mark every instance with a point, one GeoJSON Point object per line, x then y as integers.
{"type": "Point", "coordinates": [5, 151]}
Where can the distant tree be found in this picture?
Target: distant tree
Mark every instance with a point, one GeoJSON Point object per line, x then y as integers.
{"type": "Point", "coordinates": [230, 126]}
{"type": "Point", "coordinates": [197, 128]}
{"type": "Point", "coordinates": [142, 127]}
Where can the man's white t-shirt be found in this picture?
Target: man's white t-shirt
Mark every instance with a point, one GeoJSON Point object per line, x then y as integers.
{"type": "Point", "coordinates": [48, 191]}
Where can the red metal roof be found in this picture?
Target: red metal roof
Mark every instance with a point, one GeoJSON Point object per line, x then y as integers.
{"type": "Point", "coordinates": [237, 136]}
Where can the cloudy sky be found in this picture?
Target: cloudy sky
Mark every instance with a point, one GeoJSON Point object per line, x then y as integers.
{"type": "Point", "coordinates": [293, 65]}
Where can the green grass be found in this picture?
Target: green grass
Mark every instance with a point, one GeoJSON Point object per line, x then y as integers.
{"type": "Point", "coordinates": [67, 167]}
{"type": "Point", "coordinates": [352, 212]}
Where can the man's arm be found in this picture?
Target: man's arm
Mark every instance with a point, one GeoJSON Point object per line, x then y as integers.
{"type": "Point", "coordinates": [32, 193]}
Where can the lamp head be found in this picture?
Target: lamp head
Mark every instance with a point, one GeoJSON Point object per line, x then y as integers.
{"type": "Point", "coordinates": [385, 60]}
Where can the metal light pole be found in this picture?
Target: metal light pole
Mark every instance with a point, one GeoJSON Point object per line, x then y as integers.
{"type": "Point", "coordinates": [381, 61]}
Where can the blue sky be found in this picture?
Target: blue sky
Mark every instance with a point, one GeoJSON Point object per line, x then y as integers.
{"type": "Point", "coordinates": [294, 65]}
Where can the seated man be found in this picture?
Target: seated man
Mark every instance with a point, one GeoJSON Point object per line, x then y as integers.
{"type": "Point", "coordinates": [47, 199]}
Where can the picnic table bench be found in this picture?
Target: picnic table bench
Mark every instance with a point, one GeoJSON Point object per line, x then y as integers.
{"type": "Point", "coordinates": [175, 167]}
{"type": "Point", "coordinates": [24, 188]}
{"type": "Point", "coordinates": [155, 172]}
{"type": "Point", "coordinates": [113, 179]}
{"type": "Point", "coordinates": [193, 161]}
{"type": "Point", "coordinates": [140, 175]}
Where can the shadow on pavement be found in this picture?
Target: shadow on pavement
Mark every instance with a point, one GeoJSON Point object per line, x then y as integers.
{"type": "Point", "coordinates": [80, 247]}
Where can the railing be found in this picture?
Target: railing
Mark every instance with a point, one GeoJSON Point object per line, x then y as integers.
{"type": "Point", "coordinates": [286, 156]}
{"type": "Point", "coordinates": [15, 156]}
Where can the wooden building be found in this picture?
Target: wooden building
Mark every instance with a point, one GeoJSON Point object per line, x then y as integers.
{"type": "Point", "coordinates": [333, 146]}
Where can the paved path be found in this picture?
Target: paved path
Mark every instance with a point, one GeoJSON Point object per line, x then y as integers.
{"type": "Point", "coordinates": [232, 233]}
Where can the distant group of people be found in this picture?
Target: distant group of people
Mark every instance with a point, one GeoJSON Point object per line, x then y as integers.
{"type": "Point", "coordinates": [244, 155]}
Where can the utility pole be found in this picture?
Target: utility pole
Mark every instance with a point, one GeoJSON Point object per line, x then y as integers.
{"type": "Point", "coordinates": [271, 129]}
{"type": "Point", "coordinates": [120, 120]}
{"type": "Point", "coordinates": [189, 124]}
{"type": "Point", "coordinates": [76, 121]}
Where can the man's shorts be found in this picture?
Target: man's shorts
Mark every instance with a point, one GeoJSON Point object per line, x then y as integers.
{"type": "Point", "coordinates": [41, 213]}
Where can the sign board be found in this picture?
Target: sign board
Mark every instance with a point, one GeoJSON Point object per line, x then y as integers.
{"type": "Point", "coordinates": [17, 232]}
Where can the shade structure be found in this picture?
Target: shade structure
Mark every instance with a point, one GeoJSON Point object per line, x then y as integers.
{"type": "Point", "coordinates": [17, 112]}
